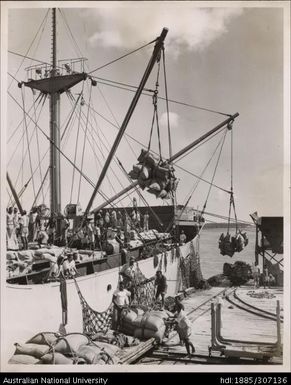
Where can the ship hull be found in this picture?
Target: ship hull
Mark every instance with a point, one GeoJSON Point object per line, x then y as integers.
{"type": "Point", "coordinates": [30, 309]}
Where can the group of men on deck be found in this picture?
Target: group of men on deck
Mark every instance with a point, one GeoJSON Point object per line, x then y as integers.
{"type": "Point", "coordinates": [32, 227]}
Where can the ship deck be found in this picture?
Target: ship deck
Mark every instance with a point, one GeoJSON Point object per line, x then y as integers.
{"type": "Point", "coordinates": [239, 322]}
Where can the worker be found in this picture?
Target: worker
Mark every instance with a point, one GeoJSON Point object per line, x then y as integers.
{"type": "Point", "coordinates": [11, 238]}
{"type": "Point", "coordinates": [266, 280]}
{"type": "Point", "coordinates": [16, 221]}
{"type": "Point", "coordinates": [57, 270]}
{"type": "Point", "coordinates": [161, 286]}
{"type": "Point", "coordinates": [184, 328]}
{"type": "Point", "coordinates": [128, 274]}
{"type": "Point", "coordinates": [113, 219]}
{"type": "Point", "coordinates": [77, 258]}
{"type": "Point", "coordinates": [256, 275]}
{"type": "Point", "coordinates": [23, 222]}
{"type": "Point", "coordinates": [32, 225]}
{"type": "Point", "coordinates": [107, 219]}
{"type": "Point", "coordinates": [69, 266]}
{"type": "Point", "coordinates": [51, 230]}
{"type": "Point", "coordinates": [64, 227]}
{"type": "Point", "coordinates": [119, 239]}
{"type": "Point", "coordinates": [121, 299]}
{"type": "Point", "coordinates": [146, 222]}
{"type": "Point", "coordinates": [272, 280]}
{"type": "Point", "coordinates": [183, 238]}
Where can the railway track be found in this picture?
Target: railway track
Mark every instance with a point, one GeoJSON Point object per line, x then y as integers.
{"type": "Point", "coordinates": [235, 300]}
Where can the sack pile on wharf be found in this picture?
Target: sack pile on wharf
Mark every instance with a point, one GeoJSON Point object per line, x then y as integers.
{"type": "Point", "coordinates": [140, 330]}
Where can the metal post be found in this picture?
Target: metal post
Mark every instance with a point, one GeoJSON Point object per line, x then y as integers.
{"type": "Point", "coordinates": [199, 140]}
{"type": "Point", "coordinates": [278, 324]}
{"type": "Point", "coordinates": [55, 168]}
{"type": "Point", "coordinates": [257, 245]}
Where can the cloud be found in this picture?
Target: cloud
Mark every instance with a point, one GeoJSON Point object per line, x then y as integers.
{"type": "Point", "coordinates": [173, 118]}
{"type": "Point", "coordinates": [189, 27]}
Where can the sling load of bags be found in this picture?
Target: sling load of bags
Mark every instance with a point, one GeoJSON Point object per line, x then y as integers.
{"type": "Point", "coordinates": [157, 176]}
{"type": "Point", "coordinates": [229, 245]}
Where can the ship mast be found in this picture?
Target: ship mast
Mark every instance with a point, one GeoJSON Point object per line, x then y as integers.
{"type": "Point", "coordinates": [53, 79]}
{"type": "Point", "coordinates": [55, 167]}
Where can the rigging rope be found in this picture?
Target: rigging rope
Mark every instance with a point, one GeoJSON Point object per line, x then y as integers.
{"type": "Point", "coordinates": [26, 130]}
{"type": "Point", "coordinates": [101, 151]}
{"type": "Point", "coordinates": [25, 56]}
{"type": "Point", "coordinates": [231, 199]}
{"type": "Point", "coordinates": [155, 113]}
{"type": "Point", "coordinates": [143, 93]}
{"type": "Point", "coordinates": [30, 139]}
{"type": "Point", "coordinates": [52, 142]}
{"type": "Point", "coordinates": [94, 152]}
{"type": "Point", "coordinates": [84, 143]}
{"type": "Point", "coordinates": [214, 173]}
{"type": "Point", "coordinates": [122, 57]}
{"type": "Point", "coordinates": [18, 143]}
{"type": "Point", "coordinates": [41, 189]}
{"type": "Point", "coordinates": [118, 125]}
{"type": "Point", "coordinates": [199, 179]}
{"type": "Point", "coordinates": [76, 145]}
{"type": "Point", "coordinates": [21, 122]}
{"type": "Point", "coordinates": [40, 36]}
{"type": "Point", "coordinates": [33, 59]}
{"type": "Point", "coordinates": [70, 117]}
{"type": "Point", "coordinates": [167, 104]}
{"type": "Point", "coordinates": [150, 92]}
{"type": "Point", "coordinates": [37, 141]}
{"type": "Point", "coordinates": [118, 162]}
{"type": "Point", "coordinates": [144, 146]}
{"type": "Point", "coordinates": [70, 32]}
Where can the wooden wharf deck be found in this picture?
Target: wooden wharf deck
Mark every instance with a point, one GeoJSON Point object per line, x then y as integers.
{"type": "Point", "coordinates": [237, 323]}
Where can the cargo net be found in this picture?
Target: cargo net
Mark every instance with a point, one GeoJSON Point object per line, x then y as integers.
{"type": "Point", "coordinates": [190, 269]}
{"type": "Point", "coordinates": [185, 272]}
{"type": "Point", "coordinates": [144, 290]}
{"type": "Point", "coordinates": [155, 175]}
{"type": "Point", "coordinates": [228, 245]}
{"type": "Point", "coordinates": [94, 321]}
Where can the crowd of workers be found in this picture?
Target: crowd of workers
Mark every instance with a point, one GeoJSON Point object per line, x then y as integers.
{"type": "Point", "coordinates": [56, 229]}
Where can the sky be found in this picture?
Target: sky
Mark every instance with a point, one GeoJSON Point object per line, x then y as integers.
{"type": "Point", "coordinates": [228, 59]}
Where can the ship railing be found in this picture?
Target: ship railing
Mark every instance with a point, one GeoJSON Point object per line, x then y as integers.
{"type": "Point", "coordinates": [64, 67]}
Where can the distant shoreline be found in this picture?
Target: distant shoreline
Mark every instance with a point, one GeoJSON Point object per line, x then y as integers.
{"type": "Point", "coordinates": [218, 225]}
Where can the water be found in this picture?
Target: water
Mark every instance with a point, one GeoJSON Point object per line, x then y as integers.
{"type": "Point", "coordinates": [210, 258]}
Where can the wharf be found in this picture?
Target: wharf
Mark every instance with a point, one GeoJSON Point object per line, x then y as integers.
{"type": "Point", "coordinates": [239, 321]}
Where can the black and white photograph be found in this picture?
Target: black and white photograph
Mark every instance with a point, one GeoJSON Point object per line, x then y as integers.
{"type": "Point", "coordinates": [145, 195]}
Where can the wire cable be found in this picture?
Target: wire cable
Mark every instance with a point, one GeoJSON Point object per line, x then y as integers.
{"type": "Point", "coordinates": [122, 57]}
{"type": "Point", "coordinates": [25, 56]}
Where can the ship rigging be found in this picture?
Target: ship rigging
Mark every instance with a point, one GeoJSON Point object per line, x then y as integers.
{"type": "Point", "coordinates": [52, 80]}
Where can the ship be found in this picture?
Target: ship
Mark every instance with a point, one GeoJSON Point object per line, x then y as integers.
{"type": "Point", "coordinates": [31, 302]}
